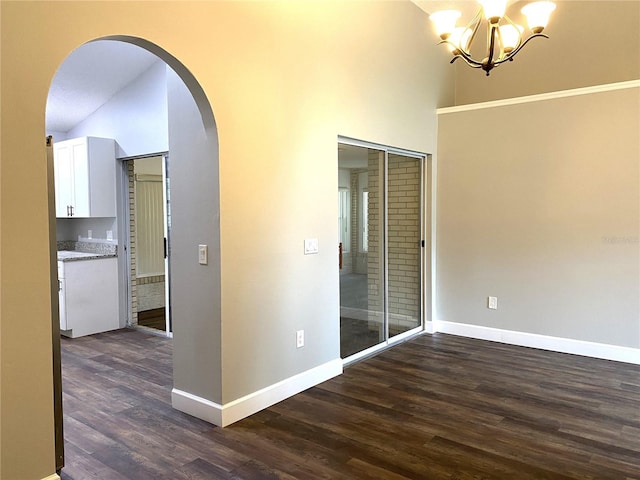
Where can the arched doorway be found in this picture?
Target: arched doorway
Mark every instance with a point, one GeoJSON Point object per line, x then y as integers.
{"type": "Point", "coordinates": [191, 139]}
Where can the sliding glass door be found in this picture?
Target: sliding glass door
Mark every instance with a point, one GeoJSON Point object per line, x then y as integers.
{"type": "Point", "coordinates": [380, 196]}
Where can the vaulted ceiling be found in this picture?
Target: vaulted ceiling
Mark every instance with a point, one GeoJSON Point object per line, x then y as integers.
{"type": "Point", "coordinates": [97, 70]}
{"type": "Point", "coordinates": [89, 77]}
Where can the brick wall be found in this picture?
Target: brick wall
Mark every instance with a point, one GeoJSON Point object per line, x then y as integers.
{"type": "Point", "coordinates": [403, 241]}
{"type": "Point", "coordinates": [132, 244]}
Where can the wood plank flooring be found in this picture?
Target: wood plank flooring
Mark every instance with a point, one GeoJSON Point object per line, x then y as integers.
{"type": "Point", "coordinates": [435, 407]}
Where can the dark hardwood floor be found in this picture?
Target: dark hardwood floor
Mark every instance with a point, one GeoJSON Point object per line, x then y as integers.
{"type": "Point", "coordinates": [435, 407]}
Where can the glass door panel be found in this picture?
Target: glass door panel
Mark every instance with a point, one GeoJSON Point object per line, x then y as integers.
{"type": "Point", "coordinates": [360, 248]}
{"type": "Point", "coordinates": [379, 246]}
{"type": "Point", "coordinates": [404, 239]}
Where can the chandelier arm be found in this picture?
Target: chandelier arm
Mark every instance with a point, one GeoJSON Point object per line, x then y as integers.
{"type": "Point", "coordinates": [508, 19]}
{"type": "Point", "coordinates": [492, 45]}
{"type": "Point", "coordinates": [477, 20]}
{"type": "Point", "coordinates": [472, 65]}
{"type": "Point", "coordinates": [507, 55]}
{"type": "Point", "coordinates": [501, 53]}
{"type": "Point", "coordinates": [520, 47]}
{"type": "Point", "coordinates": [462, 54]}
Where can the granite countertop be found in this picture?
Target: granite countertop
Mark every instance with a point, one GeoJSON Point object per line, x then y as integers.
{"type": "Point", "coordinates": [72, 255]}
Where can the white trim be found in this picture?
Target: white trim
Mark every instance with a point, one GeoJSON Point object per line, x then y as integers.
{"type": "Point", "coordinates": [224, 415]}
{"type": "Point", "coordinates": [540, 97]}
{"type": "Point", "coordinates": [404, 336]}
{"type": "Point", "coordinates": [53, 476]}
{"type": "Point", "coordinates": [197, 406]}
{"type": "Point", "coordinates": [351, 359]}
{"type": "Point", "coordinates": [543, 342]}
{"type": "Point", "coordinates": [433, 313]}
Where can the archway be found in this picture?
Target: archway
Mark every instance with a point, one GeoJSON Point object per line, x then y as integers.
{"type": "Point", "coordinates": [193, 145]}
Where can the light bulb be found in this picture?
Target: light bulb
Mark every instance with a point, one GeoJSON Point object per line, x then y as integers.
{"type": "Point", "coordinates": [493, 9]}
{"type": "Point", "coordinates": [537, 14]}
{"type": "Point", "coordinates": [445, 22]}
{"type": "Point", "coordinates": [511, 36]}
{"type": "Point", "coordinates": [460, 40]}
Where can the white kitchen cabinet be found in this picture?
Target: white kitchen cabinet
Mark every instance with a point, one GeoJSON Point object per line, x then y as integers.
{"type": "Point", "coordinates": [85, 174]}
{"type": "Point", "coordinates": [88, 296]}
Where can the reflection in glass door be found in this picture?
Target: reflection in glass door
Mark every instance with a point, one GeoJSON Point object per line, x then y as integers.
{"type": "Point", "coordinates": [379, 204]}
{"type": "Point", "coordinates": [361, 285]}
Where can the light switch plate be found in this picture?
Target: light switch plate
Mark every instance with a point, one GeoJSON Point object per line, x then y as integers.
{"type": "Point", "coordinates": [203, 254]}
{"type": "Point", "coordinates": [492, 303]}
{"type": "Point", "coordinates": [310, 246]}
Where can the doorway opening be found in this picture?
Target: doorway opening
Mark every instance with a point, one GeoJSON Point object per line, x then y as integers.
{"type": "Point", "coordinates": [381, 246]}
{"type": "Point", "coordinates": [136, 125]}
{"type": "Point", "coordinates": [149, 212]}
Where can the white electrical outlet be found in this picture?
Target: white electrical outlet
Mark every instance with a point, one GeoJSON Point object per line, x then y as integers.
{"type": "Point", "coordinates": [492, 303]}
{"type": "Point", "coordinates": [300, 339]}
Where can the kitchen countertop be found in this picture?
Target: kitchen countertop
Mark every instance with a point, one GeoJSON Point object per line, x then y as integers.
{"type": "Point", "coordinates": [72, 255]}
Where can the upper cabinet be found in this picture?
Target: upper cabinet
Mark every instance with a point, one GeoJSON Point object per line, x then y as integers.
{"type": "Point", "coordinates": [85, 173]}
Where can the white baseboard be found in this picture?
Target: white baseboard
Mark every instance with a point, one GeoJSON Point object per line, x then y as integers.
{"type": "Point", "coordinates": [223, 415]}
{"type": "Point", "coordinates": [429, 327]}
{"type": "Point", "coordinates": [52, 477]}
{"type": "Point", "coordinates": [197, 406]}
{"type": "Point", "coordinates": [543, 342]}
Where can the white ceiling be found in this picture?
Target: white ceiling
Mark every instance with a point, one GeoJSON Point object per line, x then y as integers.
{"type": "Point", "coordinates": [89, 77]}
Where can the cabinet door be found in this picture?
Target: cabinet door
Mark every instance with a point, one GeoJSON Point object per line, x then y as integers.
{"type": "Point", "coordinates": [102, 176]}
{"type": "Point", "coordinates": [81, 205]}
{"type": "Point", "coordinates": [91, 296]}
{"type": "Point", "coordinates": [63, 168]}
{"type": "Point", "coordinates": [85, 177]}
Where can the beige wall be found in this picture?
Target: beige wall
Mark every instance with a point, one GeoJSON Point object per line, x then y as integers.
{"type": "Point", "coordinates": [591, 43]}
{"type": "Point", "coordinates": [539, 206]}
{"type": "Point", "coordinates": [284, 80]}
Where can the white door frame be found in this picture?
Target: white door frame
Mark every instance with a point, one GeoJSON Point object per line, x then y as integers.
{"type": "Point", "coordinates": [167, 215]}
{"type": "Point", "coordinates": [124, 239]}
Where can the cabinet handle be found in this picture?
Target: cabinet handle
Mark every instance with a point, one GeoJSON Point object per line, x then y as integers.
{"type": "Point", "coordinates": [59, 285]}
{"type": "Point", "coordinates": [68, 211]}
{"type": "Point", "coordinates": [72, 210]}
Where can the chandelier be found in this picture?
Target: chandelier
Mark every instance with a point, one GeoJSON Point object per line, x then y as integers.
{"type": "Point", "coordinates": [504, 37]}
